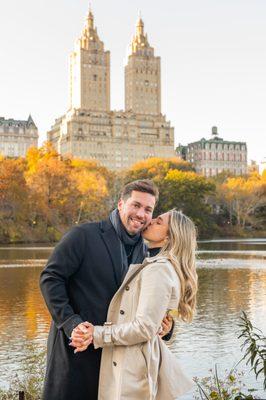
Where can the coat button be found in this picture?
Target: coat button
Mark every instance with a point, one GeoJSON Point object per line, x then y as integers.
{"type": "Point", "coordinates": [122, 312]}
{"type": "Point", "coordinates": [114, 363]}
{"type": "Point", "coordinates": [127, 287]}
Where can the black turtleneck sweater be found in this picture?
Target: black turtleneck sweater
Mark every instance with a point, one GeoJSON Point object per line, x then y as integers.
{"type": "Point", "coordinates": [154, 251]}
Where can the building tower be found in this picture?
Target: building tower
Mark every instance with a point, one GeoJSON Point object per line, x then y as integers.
{"type": "Point", "coordinates": [89, 129]}
{"type": "Point", "coordinates": [142, 76]}
{"type": "Point", "coordinates": [90, 71]}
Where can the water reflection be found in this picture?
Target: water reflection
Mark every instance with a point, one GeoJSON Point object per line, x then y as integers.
{"type": "Point", "coordinates": [233, 244]}
{"type": "Point", "coordinates": [225, 288]}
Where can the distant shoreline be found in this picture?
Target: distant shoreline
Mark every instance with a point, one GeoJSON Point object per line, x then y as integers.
{"type": "Point", "coordinates": [244, 234]}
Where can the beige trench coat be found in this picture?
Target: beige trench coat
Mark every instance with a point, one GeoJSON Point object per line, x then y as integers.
{"type": "Point", "coordinates": [136, 364]}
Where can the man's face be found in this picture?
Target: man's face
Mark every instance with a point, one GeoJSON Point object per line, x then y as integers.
{"type": "Point", "coordinates": [136, 211]}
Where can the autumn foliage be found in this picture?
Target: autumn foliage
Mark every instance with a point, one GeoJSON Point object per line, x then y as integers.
{"type": "Point", "coordinates": [43, 195]}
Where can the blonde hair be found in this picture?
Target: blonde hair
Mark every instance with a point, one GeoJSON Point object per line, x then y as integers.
{"type": "Point", "coordinates": [180, 249]}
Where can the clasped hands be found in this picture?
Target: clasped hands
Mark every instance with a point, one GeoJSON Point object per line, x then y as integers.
{"type": "Point", "coordinates": [82, 335]}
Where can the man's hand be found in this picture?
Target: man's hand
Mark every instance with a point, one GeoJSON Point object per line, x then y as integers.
{"type": "Point", "coordinates": [166, 325]}
{"type": "Point", "coordinates": [82, 337]}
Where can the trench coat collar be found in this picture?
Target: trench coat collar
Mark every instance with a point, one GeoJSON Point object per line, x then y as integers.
{"type": "Point", "coordinates": [134, 269]}
{"type": "Point", "coordinates": [112, 244]}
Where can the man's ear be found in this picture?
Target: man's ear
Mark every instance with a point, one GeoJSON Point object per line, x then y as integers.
{"type": "Point", "coordinates": [120, 204]}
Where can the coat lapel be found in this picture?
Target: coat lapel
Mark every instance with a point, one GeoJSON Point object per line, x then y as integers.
{"type": "Point", "coordinates": [113, 247]}
{"type": "Point", "coordinates": [134, 269]}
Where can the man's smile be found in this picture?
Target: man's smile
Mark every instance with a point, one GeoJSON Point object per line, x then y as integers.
{"type": "Point", "coordinates": [136, 221]}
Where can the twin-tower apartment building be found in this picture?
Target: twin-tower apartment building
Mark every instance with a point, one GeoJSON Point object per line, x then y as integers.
{"type": "Point", "coordinates": [90, 129]}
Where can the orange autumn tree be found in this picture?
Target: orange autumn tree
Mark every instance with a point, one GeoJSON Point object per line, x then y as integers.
{"type": "Point", "coordinates": [53, 196]}
{"type": "Point", "coordinates": [64, 192]}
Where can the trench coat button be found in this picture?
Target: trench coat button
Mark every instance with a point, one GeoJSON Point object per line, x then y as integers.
{"type": "Point", "coordinates": [127, 287]}
{"type": "Point", "coordinates": [122, 312]}
{"type": "Point", "coordinates": [114, 363]}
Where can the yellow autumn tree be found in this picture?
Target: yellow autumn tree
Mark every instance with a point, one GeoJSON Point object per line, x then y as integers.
{"type": "Point", "coordinates": [94, 186]}
{"type": "Point", "coordinates": [155, 168]}
{"type": "Point", "coordinates": [243, 196]}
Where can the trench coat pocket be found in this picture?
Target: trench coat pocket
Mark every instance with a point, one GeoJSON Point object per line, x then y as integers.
{"type": "Point", "coordinates": [172, 381]}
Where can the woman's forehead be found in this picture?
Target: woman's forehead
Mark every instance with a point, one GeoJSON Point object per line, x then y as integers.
{"type": "Point", "coordinates": [164, 217]}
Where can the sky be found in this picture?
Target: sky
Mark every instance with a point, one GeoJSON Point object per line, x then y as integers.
{"type": "Point", "coordinates": [213, 61]}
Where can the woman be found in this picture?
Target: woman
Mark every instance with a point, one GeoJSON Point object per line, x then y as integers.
{"type": "Point", "coordinates": [136, 364]}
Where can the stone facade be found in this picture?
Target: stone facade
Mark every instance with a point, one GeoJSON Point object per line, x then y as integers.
{"type": "Point", "coordinates": [16, 136]}
{"type": "Point", "coordinates": [89, 129]}
{"type": "Point", "coordinates": [213, 156]}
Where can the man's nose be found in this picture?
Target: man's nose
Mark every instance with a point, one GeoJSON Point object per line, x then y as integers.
{"type": "Point", "coordinates": [141, 213]}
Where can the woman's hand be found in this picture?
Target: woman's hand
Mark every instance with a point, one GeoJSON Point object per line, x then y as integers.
{"type": "Point", "coordinates": [166, 325]}
{"type": "Point", "coordinates": [82, 337]}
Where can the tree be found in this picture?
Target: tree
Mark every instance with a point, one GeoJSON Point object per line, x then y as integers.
{"type": "Point", "coordinates": [243, 196]}
{"type": "Point", "coordinates": [13, 199]}
{"type": "Point", "coordinates": [156, 168]}
{"type": "Point", "coordinates": [94, 186]}
{"type": "Point", "coordinates": [66, 191]}
{"type": "Point", "coordinates": [53, 196]}
{"type": "Point", "coordinates": [187, 191]}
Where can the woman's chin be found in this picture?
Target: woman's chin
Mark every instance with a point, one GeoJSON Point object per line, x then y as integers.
{"type": "Point", "coordinates": [144, 236]}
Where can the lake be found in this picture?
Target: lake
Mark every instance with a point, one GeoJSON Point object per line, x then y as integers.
{"type": "Point", "coordinates": [232, 278]}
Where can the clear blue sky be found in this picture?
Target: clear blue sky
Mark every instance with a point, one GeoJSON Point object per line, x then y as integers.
{"type": "Point", "coordinates": [213, 61]}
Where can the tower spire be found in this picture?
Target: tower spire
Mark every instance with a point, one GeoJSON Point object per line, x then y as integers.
{"type": "Point", "coordinates": [90, 18]}
{"type": "Point", "coordinates": [140, 25]}
{"type": "Point", "coordinates": [140, 40]}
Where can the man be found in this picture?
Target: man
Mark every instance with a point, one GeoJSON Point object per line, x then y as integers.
{"type": "Point", "coordinates": [81, 277]}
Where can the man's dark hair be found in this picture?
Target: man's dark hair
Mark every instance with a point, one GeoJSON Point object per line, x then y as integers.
{"type": "Point", "coordinates": [141, 185]}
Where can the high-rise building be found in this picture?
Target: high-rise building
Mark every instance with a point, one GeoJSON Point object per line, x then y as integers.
{"type": "Point", "coordinates": [16, 136]}
{"type": "Point", "coordinates": [90, 71]}
{"type": "Point", "coordinates": [142, 76]}
{"type": "Point", "coordinates": [215, 155]}
{"type": "Point", "coordinates": [89, 129]}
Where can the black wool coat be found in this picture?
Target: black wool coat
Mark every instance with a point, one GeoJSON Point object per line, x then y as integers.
{"type": "Point", "coordinates": [78, 283]}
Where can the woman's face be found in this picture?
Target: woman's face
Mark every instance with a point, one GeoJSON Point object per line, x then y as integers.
{"type": "Point", "coordinates": [157, 231]}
